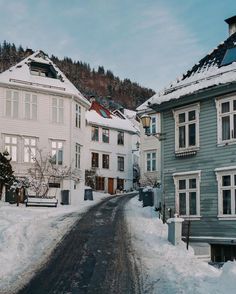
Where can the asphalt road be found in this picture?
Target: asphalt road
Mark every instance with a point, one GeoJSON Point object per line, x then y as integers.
{"type": "Point", "coordinates": [94, 257]}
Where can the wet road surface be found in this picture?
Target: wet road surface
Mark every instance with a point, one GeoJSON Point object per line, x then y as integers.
{"type": "Point", "coordinates": [94, 257]}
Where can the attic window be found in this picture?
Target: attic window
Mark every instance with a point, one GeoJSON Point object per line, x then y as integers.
{"type": "Point", "coordinates": [230, 56]}
{"type": "Point", "coordinates": [43, 70]}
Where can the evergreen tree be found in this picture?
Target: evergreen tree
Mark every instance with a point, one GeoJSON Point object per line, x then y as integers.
{"type": "Point", "coordinates": [6, 173]}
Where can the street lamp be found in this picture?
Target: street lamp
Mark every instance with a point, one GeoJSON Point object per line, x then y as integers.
{"type": "Point", "coordinates": [146, 122]}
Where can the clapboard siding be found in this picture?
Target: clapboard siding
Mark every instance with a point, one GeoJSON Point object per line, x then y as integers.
{"type": "Point", "coordinates": [208, 157]}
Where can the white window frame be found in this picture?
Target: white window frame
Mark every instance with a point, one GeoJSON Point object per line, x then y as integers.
{"type": "Point", "coordinates": [10, 145]}
{"type": "Point", "coordinates": [151, 152]}
{"type": "Point", "coordinates": [55, 146]}
{"type": "Point", "coordinates": [153, 125]}
{"type": "Point", "coordinates": [12, 99]}
{"type": "Point", "coordinates": [220, 115]}
{"type": "Point", "coordinates": [29, 149]}
{"type": "Point", "coordinates": [106, 133]}
{"type": "Point", "coordinates": [186, 110]}
{"type": "Point", "coordinates": [220, 172]}
{"type": "Point", "coordinates": [77, 116]}
{"type": "Point", "coordinates": [186, 176]}
{"type": "Point", "coordinates": [32, 105]}
{"type": "Point", "coordinates": [77, 155]}
{"type": "Point", "coordinates": [57, 110]}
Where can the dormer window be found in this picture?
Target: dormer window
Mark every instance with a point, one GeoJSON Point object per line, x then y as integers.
{"type": "Point", "coordinates": [42, 70]}
{"type": "Point", "coordinates": [230, 57]}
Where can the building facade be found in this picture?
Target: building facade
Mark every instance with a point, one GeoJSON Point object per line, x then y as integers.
{"type": "Point", "coordinates": [198, 117]}
{"type": "Point", "coordinates": [110, 139]}
{"type": "Point", "coordinates": [40, 109]}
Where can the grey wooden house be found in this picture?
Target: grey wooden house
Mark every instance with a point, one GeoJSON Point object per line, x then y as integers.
{"type": "Point", "coordinates": [198, 118]}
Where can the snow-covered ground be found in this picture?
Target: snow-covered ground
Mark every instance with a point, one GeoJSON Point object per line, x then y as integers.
{"type": "Point", "coordinates": [168, 269]}
{"type": "Point", "coordinates": [29, 234]}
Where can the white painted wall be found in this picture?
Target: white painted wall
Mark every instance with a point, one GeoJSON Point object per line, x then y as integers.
{"type": "Point", "coordinates": [149, 144]}
{"type": "Point", "coordinates": [44, 129]}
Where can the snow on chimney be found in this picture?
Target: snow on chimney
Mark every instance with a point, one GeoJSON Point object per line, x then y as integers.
{"type": "Point", "coordinates": [232, 24]}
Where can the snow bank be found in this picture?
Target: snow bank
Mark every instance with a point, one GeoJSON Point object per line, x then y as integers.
{"type": "Point", "coordinates": [28, 236]}
{"type": "Point", "coordinates": [169, 269]}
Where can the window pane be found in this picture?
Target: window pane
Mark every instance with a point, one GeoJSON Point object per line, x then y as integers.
{"type": "Point", "coordinates": [181, 117]}
{"type": "Point", "coordinates": [234, 104]}
{"type": "Point", "coordinates": [34, 111]}
{"type": "Point", "coordinates": [148, 155]}
{"type": "Point", "coordinates": [226, 128]}
{"type": "Point", "coordinates": [7, 139]}
{"type": "Point", "coordinates": [54, 114]}
{"type": "Point", "coordinates": [234, 131]}
{"type": "Point", "coordinates": [153, 155]}
{"type": "Point", "coordinates": [60, 115]}
{"type": "Point", "coordinates": [226, 202]}
{"type": "Point", "coordinates": [154, 165]}
{"type": "Point", "coordinates": [182, 203]}
{"type": "Point", "coordinates": [226, 180]}
{"type": "Point", "coordinates": [182, 184]}
{"type": "Point", "coordinates": [59, 145]}
{"type": "Point", "coordinates": [60, 157]}
{"type": "Point", "coordinates": [13, 153]}
{"type": "Point", "coordinates": [193, 203]}
{"type": "Point", "coordinates": [27, 98]}
{"type": "Point", "coordinates": [13, 140]}
{"type": "Point", "coordinates": [225, 107]}
{"type": "Point", "coordinates": [148, 165]}
{"type": "Point", "coordinates": [192, 184]}
{"type": "Point", "coordinates": [8, 108]}
{"type": "Point", "coordinates": [182, 136]}
{"type": "Point", "coordinates": [192, 134]}
{"type": "Point", "coordinates": [15, 108]}
{"type": "Point", "coordinates": [26, 154]}
{"type": "Point", "coordinates": [192, 115]}
{"type": "Point", "coordinates": [27, 110]}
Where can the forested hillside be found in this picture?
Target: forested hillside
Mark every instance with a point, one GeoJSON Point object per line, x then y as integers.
{"type": "Point", "coordinates": [101, 83]}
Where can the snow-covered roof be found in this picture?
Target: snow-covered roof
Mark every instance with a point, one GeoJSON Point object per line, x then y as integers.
{"type": "Point", "coordinates": [207, 73]}
{"type": "Point", "coordinates": [21, 75]}
{"type": "Point", "coordinates": [107, 119]}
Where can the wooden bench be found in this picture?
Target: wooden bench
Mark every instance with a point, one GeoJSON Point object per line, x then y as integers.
{"type": "Point", "coordinates": [37, 201]}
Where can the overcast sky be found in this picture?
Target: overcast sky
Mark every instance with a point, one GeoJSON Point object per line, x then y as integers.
{"type": "Point", "coordinates": [149, 41]}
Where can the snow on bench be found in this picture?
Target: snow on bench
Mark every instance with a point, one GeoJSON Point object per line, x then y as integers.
{"type": "Point", "coordinates": [38, 201]}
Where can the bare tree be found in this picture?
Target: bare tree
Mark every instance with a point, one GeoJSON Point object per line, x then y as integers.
{"type": "Point", "coordinates": [44, 171]}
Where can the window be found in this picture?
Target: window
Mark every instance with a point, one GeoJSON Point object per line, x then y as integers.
{"type": "Point", "coordinates": [77, 155]}
{"type": "Point", "coordinates": [121, 163]}
{"type": "Point", "coordinates": [95, 136]}
{"type": "Point", "coordinates": [77, 115]}
{"type": "Point", "coordinates": [105, 161]}
{"type": "Point", "coordinates": [227, 192]}
{"type": "Point", "coordinates": [120, 138]}
{"type": "Point", "coordinates": [226, 120]}
{"type": "Point", "coordinates": [57, 152]}
{"type": "Point", "coordinates": [29, 149]}
{"type": "Point", "coordinates": [151, 161]}
{"type": "Point", "coordinates": [187, 187]}
{"type": "Point", "coordinates": [12, 103]}
{"type": "Point", "coordinates": [30, 106]}
{"type": "Point", "coordinates": [230, 56]}
{"type": "Point", "coordinates": [42, 70]}
{"type": "Point", "coordinates": [152, 129]}
{"type": "Point", "coordinates": [11, 146]}
{"type": "Point", "coordinates": [105, 135]}
{"type": "Point", "coordinates": [57, 110]}
{"type": "Point", "coordinates": [100, 183]}
{"type": "Point", "coordinates": [95, 159]}
{"type": "Point", "coordinates": [120, 184]}
{"type": "Point", "coordinates": [187, 128]}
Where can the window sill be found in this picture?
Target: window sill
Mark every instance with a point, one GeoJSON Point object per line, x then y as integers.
{"type": "Point", "coordinates": [186, 152]}
{"type": "Point", "coordinates": [223, 144]}
{"type": "Point", "coordinates": [192, 218]}
{"type": "Point", "coordinates": [226, 217]}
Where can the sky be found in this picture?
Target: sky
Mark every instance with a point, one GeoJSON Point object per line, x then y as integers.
{"type": "Point", "coordinates": [151, 42]}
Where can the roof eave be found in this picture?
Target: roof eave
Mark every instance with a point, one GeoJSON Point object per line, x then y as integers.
{"type": "Point", "coordinates": [202, 94]}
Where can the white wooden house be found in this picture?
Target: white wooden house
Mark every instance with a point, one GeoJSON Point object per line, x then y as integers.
{"type": "Point", "coordinates": [41, 109]}
{"type": "Point", "coordinates": [111, 148]}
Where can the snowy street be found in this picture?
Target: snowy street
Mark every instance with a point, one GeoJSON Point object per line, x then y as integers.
{"type": "Point", "coordinates": [116, 247]}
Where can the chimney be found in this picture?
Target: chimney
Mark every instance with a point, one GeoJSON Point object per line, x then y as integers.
{"type": "Point", "coordinates": [232, 24]}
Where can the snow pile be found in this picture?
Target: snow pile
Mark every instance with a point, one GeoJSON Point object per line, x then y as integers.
{"type": "Point", "coordinates": [169, 269]}
{"type": "Point", "coordinates": [28, 236]}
